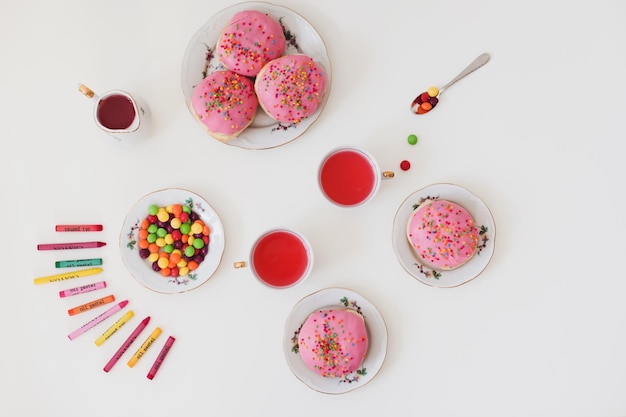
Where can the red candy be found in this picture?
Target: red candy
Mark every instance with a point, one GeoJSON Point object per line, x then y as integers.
{"type": "Point", "coordinates": [405, 165]}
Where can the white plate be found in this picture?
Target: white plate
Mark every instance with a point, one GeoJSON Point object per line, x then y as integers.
{"type": "Point", "coordinates": [141, 268]}
{"type": "Point", "coordinates": [376, 329]}
{"type": "Point", "coordinates": [200, 60]}
{"type": "Point", "coordinates": [411, 263]}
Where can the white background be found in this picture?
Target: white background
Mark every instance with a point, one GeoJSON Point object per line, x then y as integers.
{"type": "Point", "coordinates": [537, 134]}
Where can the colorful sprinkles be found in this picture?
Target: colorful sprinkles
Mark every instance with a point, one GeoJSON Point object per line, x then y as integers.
{"type": "Point", "coordinates": [250, 41]}
{"type": "Point", "coordinates": [333, 342]}
{"type": "Point", "coordinates": [443, 234]}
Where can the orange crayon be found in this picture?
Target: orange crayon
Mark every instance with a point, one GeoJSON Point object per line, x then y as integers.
{"type": "Point", "coordinates": [90, 305]}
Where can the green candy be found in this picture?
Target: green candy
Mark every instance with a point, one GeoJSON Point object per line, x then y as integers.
{"type": "Point", "coordinates": [152, 228]}
{"type": "Point", "coordinates": [190, 251]}
{"type": "Point", "coordinates": [152, 237]}
{"type": "Point", "coordinates": [168, 248]}
{"type": "Point", "coordinates": [412, 139]}
{"type": "Point", "coordinates": [198, 243]}
{"type": "Point", "coordinates": [187, 209]}
{"type": "Point", "coordinates": [161, 232]}
{"type": "Point", "coordinates": [153, 209]}
{"type": "Point", "coordinates": [185, 228]}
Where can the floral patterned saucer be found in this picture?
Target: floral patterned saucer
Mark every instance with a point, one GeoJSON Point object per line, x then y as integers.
{"type": "Point", "coordinates": [141, 268]}
{"type": "Point", "coordinates": [449, 278]}
{"type": "Point", "coordinates": [336, 298]}
{"type": "Point", "coordinates": [200, 59]}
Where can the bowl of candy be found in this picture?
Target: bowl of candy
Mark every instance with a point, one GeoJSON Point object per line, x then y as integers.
{"type": "Point", "coordinates": [172, 241]}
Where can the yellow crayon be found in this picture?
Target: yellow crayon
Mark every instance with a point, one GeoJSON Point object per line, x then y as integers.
{"type": "Point", "coordinates": [67, 275]}
{"type": "Point", "coordinates": [114, 328]}
{"type": "Point", "coordinates": [149, 341]}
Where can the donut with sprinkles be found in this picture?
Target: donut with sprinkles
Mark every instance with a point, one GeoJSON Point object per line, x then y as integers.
{"type": "Point", "coordinates": [333, 343]}
{"type": "Point", "coordinates": [291, 88]}
{"type": "Point", "coordinates": [225, 104]}
{"type": "Point", "coordinates": [249, 41]}
{"type": "Point", "coordinates": [443, 234]}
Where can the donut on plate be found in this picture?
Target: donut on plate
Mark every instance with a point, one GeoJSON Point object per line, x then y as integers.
{"type": "Point", "coordinates": [250, 40]}
{"type": "Point", "coordinates": [333, 343]}
{"type": "Point", "coordinates": [225, 104]}
{"type": "Point", "coordinates": [443, 234]}
{"type": "Point", "coordinates": [290, 88]}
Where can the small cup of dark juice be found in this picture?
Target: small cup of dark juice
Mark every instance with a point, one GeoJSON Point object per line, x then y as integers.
{"type": "Point", "coordinates": [121, 115]}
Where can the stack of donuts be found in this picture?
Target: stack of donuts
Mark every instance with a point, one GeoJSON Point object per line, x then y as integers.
{"type": "Point", "coordinates": [258, 73]}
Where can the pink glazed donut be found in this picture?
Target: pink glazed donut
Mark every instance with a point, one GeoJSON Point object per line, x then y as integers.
{"type": "Point", "coordinates": [333, 343]}
{"type": "Point", "coordinates": [290, 88]}
{"type": "Point", "coordinates": [250, 40]}
{"type": "Point", "coordinates": [225, 103]}
{"type": "Point", "coordinates": [443, 234]}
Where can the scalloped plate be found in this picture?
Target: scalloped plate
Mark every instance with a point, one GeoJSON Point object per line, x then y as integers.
{"type": "Point", "coordinates": [199, 60]}
{"type": "Point", "coordinates": [449, 278]}
{"type": "Point", "coordinates": [141, 269]}
{"type": "Point", "coordinates": [376, 329]}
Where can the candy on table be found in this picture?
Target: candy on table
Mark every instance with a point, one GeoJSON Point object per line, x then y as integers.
{"type": "Point", "coordinates": [173, 239]}
{"type": "Point", "coordinates": [405, 165]}
{"type": "Point", "coordinates": [412, 139]}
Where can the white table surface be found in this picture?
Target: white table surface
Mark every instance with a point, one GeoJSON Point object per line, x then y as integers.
{"type": "Point", "coordinates": [537, 134]}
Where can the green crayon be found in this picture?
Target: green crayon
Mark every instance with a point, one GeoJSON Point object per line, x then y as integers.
{"type": "Point", "coordinates": [78, 263]}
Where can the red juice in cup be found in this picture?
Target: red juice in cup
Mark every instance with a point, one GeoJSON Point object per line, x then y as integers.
{"type": "Point", "coordinates": [348, 177]}
{"type": "Point", "coordinates": [281, 258]}
{"type": "Point", "coordinates": [116, 111]}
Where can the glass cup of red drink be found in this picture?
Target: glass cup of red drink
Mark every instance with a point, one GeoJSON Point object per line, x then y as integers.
{"type": "Point", "coordinates": [119, 114]}
{"type": "Point", "coordinates": [280, 258]}
{"type": "Point", "coordinates": [349, 176]}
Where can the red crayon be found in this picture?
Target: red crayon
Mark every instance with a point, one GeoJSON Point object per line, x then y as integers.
{"type": "Point", "coordinates": [78, 228]}
{"type": "Point", "coordinates": [133, 336]}
{"type": "Point", "coordinates": [159, 360]}
{"type": "Point", "coordinates": [73, 245]}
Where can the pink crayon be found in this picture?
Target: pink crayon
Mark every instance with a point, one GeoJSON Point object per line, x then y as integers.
{"type": "Point", "coordinates": [82, 289]}
{"type": "Point", "coordinates": [72, 245]}
{"type": "Point", "coordinates": [97, 320]}
{"type": "Point", "coordinates": [133, 336]}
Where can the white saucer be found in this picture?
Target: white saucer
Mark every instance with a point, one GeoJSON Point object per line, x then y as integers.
{"type": "Point", "coordinates": [200, 59]}
{"type": "Point", "coordinates": [336, 298]}
{"type": "Point", "coordinates": [449, 278]}
{"type": "Point", "coordinates": [141, 268]}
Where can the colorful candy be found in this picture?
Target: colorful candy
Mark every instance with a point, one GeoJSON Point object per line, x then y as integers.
{"type": "Point", "coordinates": [426, 101]}
{"type": "Point", "coordinates": [405, 165]}
{"type": "Point", "coordinates": [412, 139]}
{"type": "Point", "coordinates": [173, 239]}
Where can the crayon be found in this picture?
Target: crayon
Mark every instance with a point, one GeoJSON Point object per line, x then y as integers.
{"type": "Point", "coordinates": [78, 263]}
{"type": "Point", "coordinates": [114, 328]}
{"type": "Point", "coordinates": [159, 360]}
{"type": "Point", "coordinates": [97, 320]}
{"type": "Point", "coordinates": [91, 305]}
{"type": "Point", "coordinates": [144, 347]}
{"type": "Point", "coordinates": [67, 275]}
{"type": "Point", "coordinates": [78, 228]}
{"type": "Point", "coordinates": [82, 289]}
{"type": "Point", "coordinates": [124, 347]}
{"type": "Point", "coordinates": [72, 245]}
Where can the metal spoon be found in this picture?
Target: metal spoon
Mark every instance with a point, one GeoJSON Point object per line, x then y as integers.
{"type": "Point", "coordinates": [427, 100]}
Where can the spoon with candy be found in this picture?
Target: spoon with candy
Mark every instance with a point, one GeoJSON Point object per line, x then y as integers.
{"type": "Point", "coordinates": [426, 101]}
